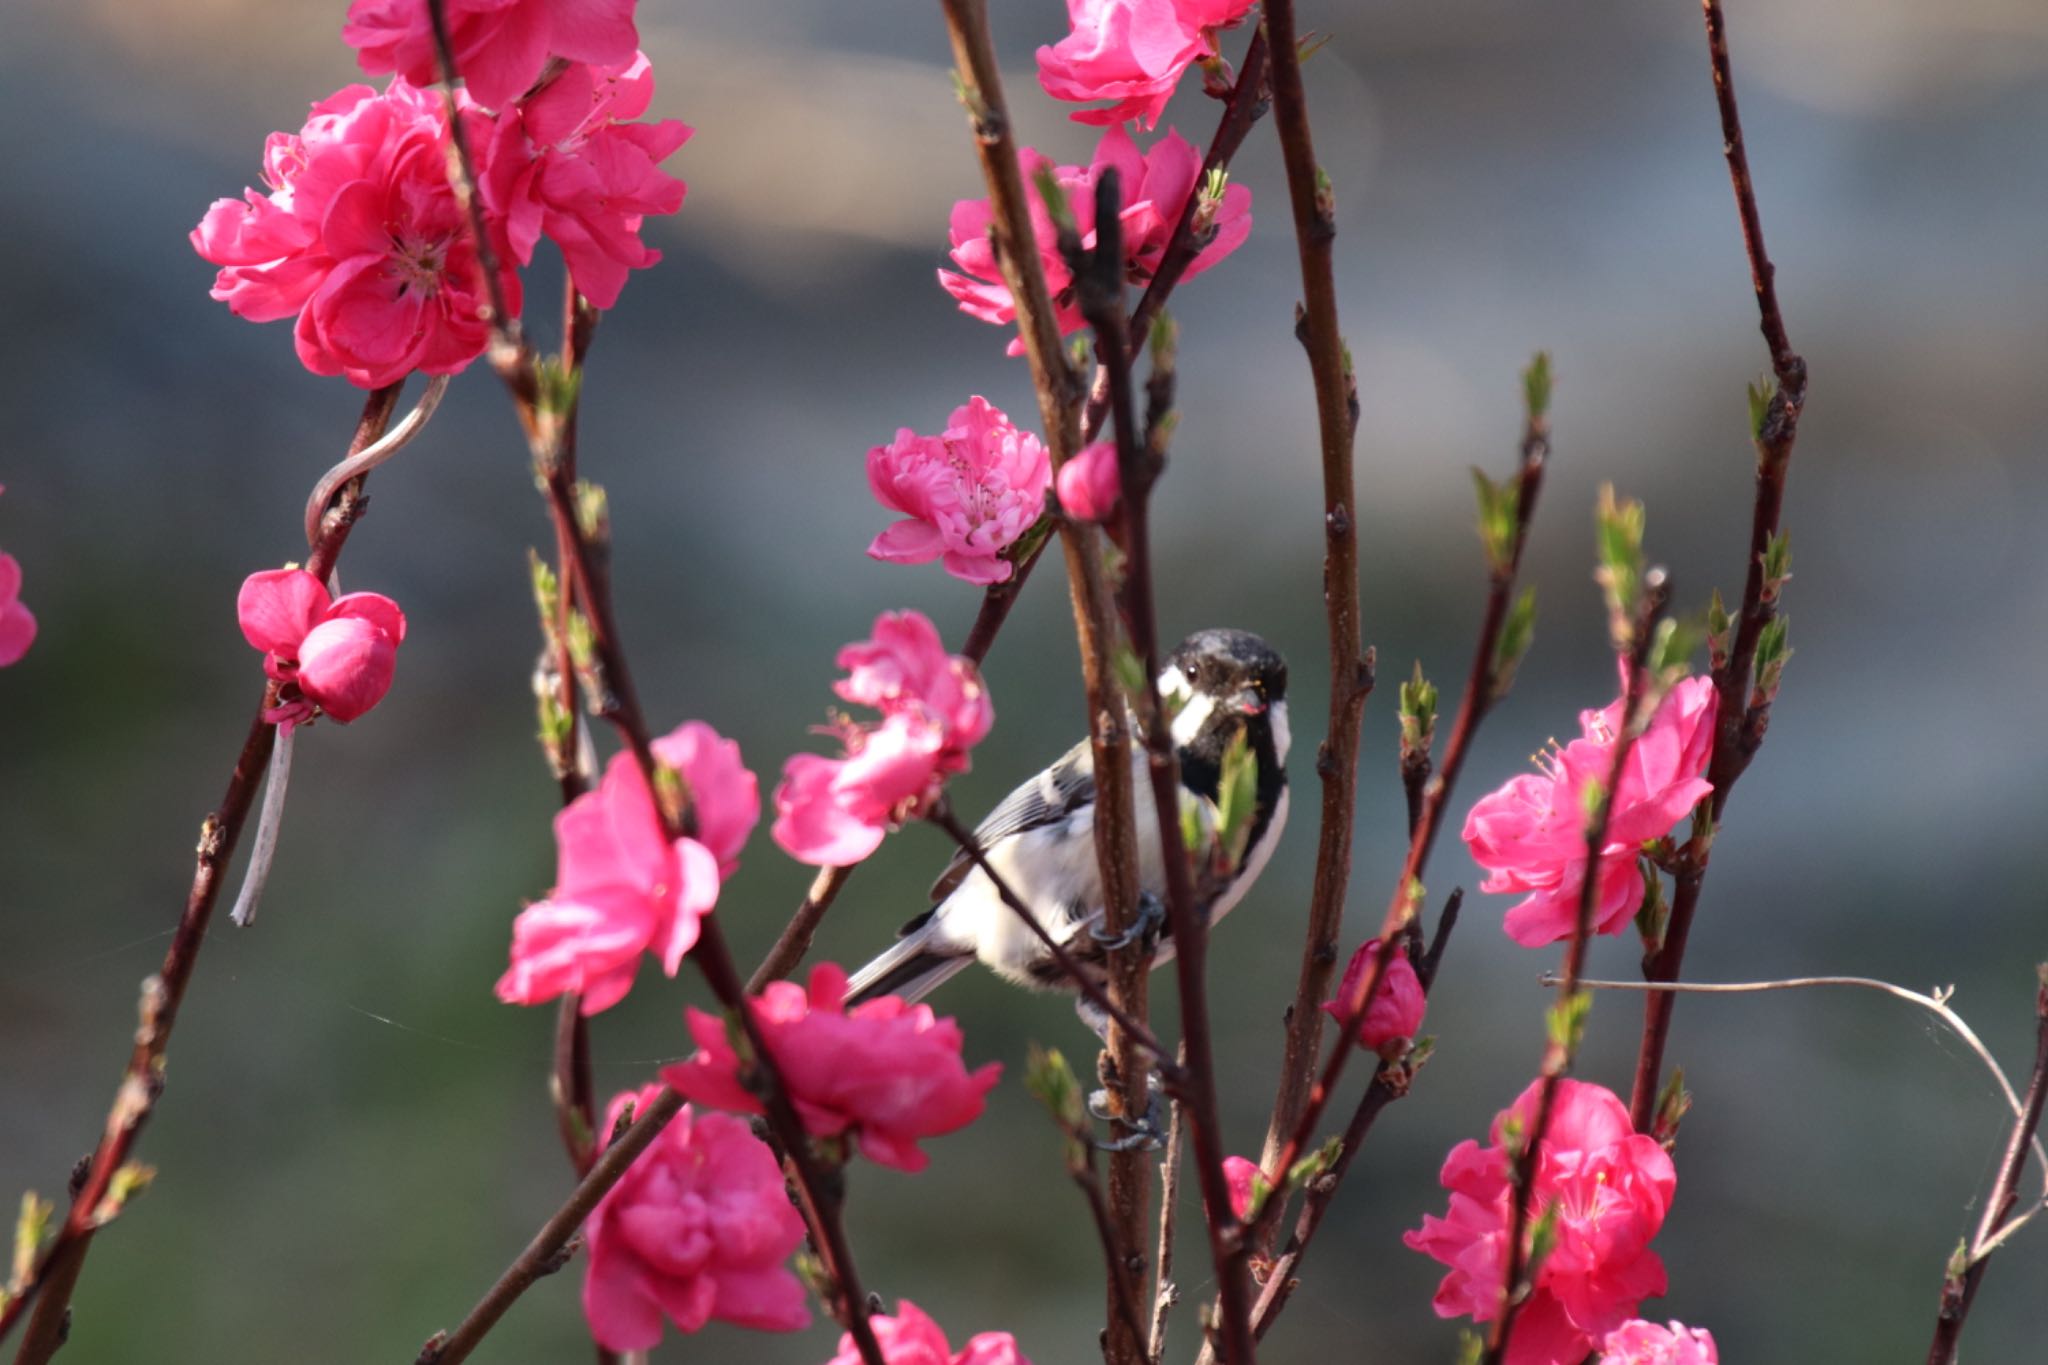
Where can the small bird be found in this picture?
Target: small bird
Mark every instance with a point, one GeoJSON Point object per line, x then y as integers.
{"type": "Point", "coordinates": [1040, 840]}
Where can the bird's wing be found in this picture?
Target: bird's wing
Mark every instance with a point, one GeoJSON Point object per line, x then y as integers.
{"type": "Point", "coordinates": [1046, 799]}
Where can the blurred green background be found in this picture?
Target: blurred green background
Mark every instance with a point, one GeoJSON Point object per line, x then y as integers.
{"type": "Point", "coordinates": [356, 1137]}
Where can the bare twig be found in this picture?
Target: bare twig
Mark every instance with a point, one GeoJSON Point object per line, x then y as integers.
{"type": "Point", "coordinates": [1336, 389]}
{"type": "Point", "coordinates": [1164, 1292]}
{"type": "Point", "coordinates": [1742, 717]}
{"type": "Point", "coordinates": [1638, 700]}
{"type": "Point", "coordinates": [49, 1286]}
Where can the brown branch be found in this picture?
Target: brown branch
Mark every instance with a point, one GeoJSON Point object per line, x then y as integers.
{"type": "Point", "coordinates": [1336, 392]}
{"type": "Point", "coordinates": [1164, 1292]}
{"type": "Point", "coordinates": [1389, 1083]}
{"type": "Point", "coordinates": [1741, 718]}
{"type": "Point", "coordinates": [1486, 682]}
{"type": "Point", "coordinates": [162, 994]}
{"type": "Point", "coordinates": [1966, 1269]}
{"type": "Point", "coordinates": [546, 418]}
{"type": "Point", "coordinates": [1124, 1069]}
{"type": "Point", "coordinates": [1638, 701]}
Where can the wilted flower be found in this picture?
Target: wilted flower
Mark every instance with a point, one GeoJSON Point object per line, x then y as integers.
{"type": "Point", "coordinates": [569, 163]}
{"type": "Point", "coordinates": [336, 655]}
{"type": "Point", "coordinates": [699, 1227]}
{"type": "Point", "coordinates": [1611, 1187]}
{"type": "Point", "coordinates": [1397, 1004]}
{"type": "Point", "coordinates": [361, 238]}
{"type": "Point", "coordinates": [967, 494]}
{"type": "Point", "coordinates": [622, 887]}
{"type": "Point", "coordinates": [500, 46]}
{"type": "Point", "coordinates": [1155, 187]}
{"type": "Point", "coordinates": [911, 1338]}
{"type": "Point", "coordinates": [1132, 52]}
{"type": "Point", "coordinates": [1531, 833]}
{"type": "Point", "coordinates": [887, 1072]}
{"type": "Point", "coordinates": [832, 812]}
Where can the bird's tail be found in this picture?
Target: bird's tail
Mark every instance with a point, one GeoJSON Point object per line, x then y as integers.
{"type": "Point", "coordinates": [911, 968]}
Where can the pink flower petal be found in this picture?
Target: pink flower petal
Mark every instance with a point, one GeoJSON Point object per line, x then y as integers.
{"type": "Point", "coordinates": [278, 607]}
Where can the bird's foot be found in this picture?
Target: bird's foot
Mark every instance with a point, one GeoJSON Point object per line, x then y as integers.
{"type": "Point", "coordinates": [1143, 1134]}
{"type": "Point", "coordinates": [1144, 929]}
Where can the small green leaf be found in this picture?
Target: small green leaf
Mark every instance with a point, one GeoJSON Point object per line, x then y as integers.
{"type": "Point", "coordinates": [1164, 341]}
{"type": "Point", "coordinates": [1536, 386]}
{"type": "Point", "coordinates": [1672, 646]}
{"type": "Point", "coordinates": [1236, 795]}
{"type": "Point", "coordinates": [1261, 1191]}
{"type": "Point", "coordinates": [1566, 1021]}
{"type": "Point", "coordinates": [546, 589]}
{"type": "Point", "coordinates": [1959, 1260]}
{"type": "Point", "coordinates": [1419, 1053]}
{"type": "Point", "coordinates": [557, 387]}
{"type": "Point", "coordinates": [1315, 1163]}
{"type": "Point", "coordinates": [1050, 1080]}
{"type": "Point", "coordinates": [593, 512]}
{"type": "Point", "coordinates": [1498, 509]}
{"type": "Point", "coordinates": [29, 1230]}
{"type": "Point", "coordinates": [1653, 914]}
{"type": "Point", "coordinates": [1131, 674]}
{"type": "Point", "coordinates": [1516, 635]}
{"type": "Point", "coordinates": [1054, 197]}
{"type": "Point", "coordinates": [1773, 651]}
{"type": "Point", "coordinates": [1777, 566]}
{"type": "Point", "coordinates": [1719, 623]}
{"type": "Point", "coordinates": [1760, 395]}
{"type": "Point", "coordinates": [1542, 1241]}
{"type": "Point", "coordinates": [1620, 575]}
{"type": "Point", "coordinates": [582, 642]}
{"type": "Point", "coordinates": [1673, 1102]}
{"type": "Point", "coordinates": [1418, 712]}
{"type": "Point", "coordinates": [1471, 1347]}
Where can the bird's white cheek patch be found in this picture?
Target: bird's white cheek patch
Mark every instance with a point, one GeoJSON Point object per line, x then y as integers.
{"type": "Point", "coordinates": [1282, 736]}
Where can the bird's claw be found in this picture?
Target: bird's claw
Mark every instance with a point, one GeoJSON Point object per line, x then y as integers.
{"type": "Point", "coordinates": [1145, 928]}
{"type": "Point", "coordinates": [1145, 1134]}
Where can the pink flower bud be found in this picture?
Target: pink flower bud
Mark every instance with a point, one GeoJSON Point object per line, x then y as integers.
{"type": "Point", "coordinates": [17, 623]}
{"type": "Point", "coordinates": [338, 655]}
{"type": "Point", "coordinates": [700, 1227]}
{"type": "Point", "coordinates": [1397, 1005]}
{"type": "Point", "coordinates": [1238, 1175]}
{"type": "Point", "coordinates": [1089, 484]}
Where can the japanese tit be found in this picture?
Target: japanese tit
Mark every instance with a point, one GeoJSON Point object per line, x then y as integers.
{"type": "Point", "coordinates": [1040, 840]}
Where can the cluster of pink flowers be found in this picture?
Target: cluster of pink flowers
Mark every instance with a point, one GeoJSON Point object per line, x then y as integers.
{"type": "Point", "coordinates": [1645, 1343]}
{"type": "Point", "coordinates": [1398, 1003]}
{"type": "Point", "coordinates": [17, 622]}
{"type": "Point", "coordinates": [1611, 1187]}
{"type": "Point", "coordinates": [622, 887]}
{"type": "Point", "coordinates": [361, 236]}
{"type": "Point", "coordinates": [889, 1073]}
{"type": "Point", "coordinates": [699, 1227]}
{"type": "Point", "coordinates": [832, 812]}
{"type": "Point", "coordinates": [1531, 833]}
{"type": "Point", "coordinates": [1132, 52]}
{"type": "Point", "coordinates": [334, 656]}
{"type": "Point", "coordinates": [1155, 187]}
{"type": "Point", "coordinates": [967, 495]}
{"type": "Point", "coordinates": [911, 1338]}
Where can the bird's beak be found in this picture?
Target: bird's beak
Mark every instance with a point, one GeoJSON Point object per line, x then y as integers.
{"type": "Point", "coordinates": [1248, 702]}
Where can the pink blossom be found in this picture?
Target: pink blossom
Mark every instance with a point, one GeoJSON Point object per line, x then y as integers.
{"type": "Point", "coordinates": [967, 494]}
{"type": "Point", "coordinates": [17, 623]}
{"type": "Point", "coordinates": [570, 164]}
{"type": "Point", "coordinates": [1531, 833]}
{"type": "Point", "coordinates": [333, 654]}
{"type": "Point", "coordinates": [361, 238]}
{"type": "Point", "coordinates": [1090, 483]}
{"type": "Point", "coordinates": [1155, 187]}
{"type": "Point", "coordinates": [1133, 52]}
{"type": "Point", "coordinates": [1238, 1176]}
{"type": "Point", "coordinates": [888, 1072]}
{"type": "Point", "coordinates": [622, 887]}
{"type": "Point", "coordinates": [1397, 1004]}
{"type": "Point", "coordinates": [501, 46]}
{"type": "Point", "coordinates": [911, 1338]}
{"type": "Point", "coordinates": [1645, 1343]}
{"type": "Point", "coordinates": [832, 812]}
{"type": "Point", "coordinates": [1611, 1187]}
{"type": "Point", "coordinates": [698, 1228]}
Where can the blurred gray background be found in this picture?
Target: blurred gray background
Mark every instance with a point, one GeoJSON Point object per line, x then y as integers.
{"type": "Point", "coordinates": [356, 1136]}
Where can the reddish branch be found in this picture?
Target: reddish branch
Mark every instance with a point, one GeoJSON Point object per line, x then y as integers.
{"type": "Point", "coordinates": [1966, 1270]}
{"type": "Point", "coordinates": [1742, 716]}
{"type": "Point", "coordinates": [1638, 699]}
{"type": "Point", "coordinates": [49, 1286]}
{"type": "Point", "coordinates": [1099, 282]}
{"type": "Point", "coordinates": [1315, 230]}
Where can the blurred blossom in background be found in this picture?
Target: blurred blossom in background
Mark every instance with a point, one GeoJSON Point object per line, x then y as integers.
{"type": "Point", "coordinates": [356, 1137]}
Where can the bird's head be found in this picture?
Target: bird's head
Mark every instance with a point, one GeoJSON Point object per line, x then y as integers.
{"type": "Point", "coordinates": [1221, 681]}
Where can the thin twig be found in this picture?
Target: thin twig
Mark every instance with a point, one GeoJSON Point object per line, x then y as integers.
{"type": "Point", "coordinates": [1638, 701]}
{"type": "Point", "coordinates": [162, 994]}
{"type": "Point", "coordinates": [1336, 390]}
{"type": "Point", "coordinates": [1164, 1292]}
{"type": "Point", "coordinates": [1085, 982]}
{"type": "Point", "coordinates": [1741, 718]}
